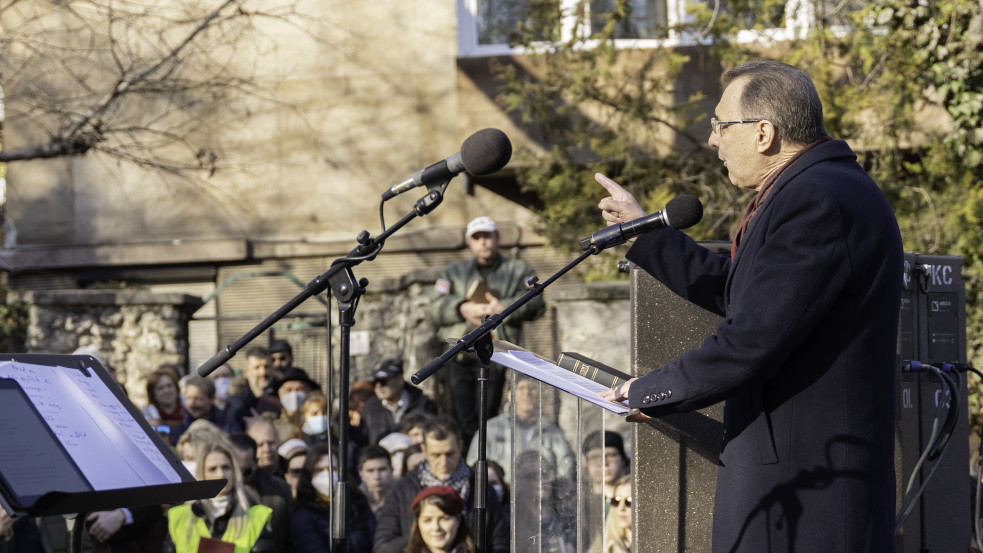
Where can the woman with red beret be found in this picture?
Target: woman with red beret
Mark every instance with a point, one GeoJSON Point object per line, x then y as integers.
{"type": "Point", "coordinates": [440, 526]}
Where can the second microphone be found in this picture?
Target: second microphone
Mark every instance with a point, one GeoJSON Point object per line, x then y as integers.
{"type": "Point", "coordinates": [482, 153]}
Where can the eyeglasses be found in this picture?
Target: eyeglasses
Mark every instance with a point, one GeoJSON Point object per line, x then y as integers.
{"type": "Point", "coordinates": [715, 124]}
{"type": "Point", "coordinates": [616, 501]}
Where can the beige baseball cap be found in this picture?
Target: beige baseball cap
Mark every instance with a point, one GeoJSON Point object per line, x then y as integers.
{"type": "Point", "coordinates": [481, 224]}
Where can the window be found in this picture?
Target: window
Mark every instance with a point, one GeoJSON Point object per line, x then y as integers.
{"type": "Point", "coordinates": [488, 27]}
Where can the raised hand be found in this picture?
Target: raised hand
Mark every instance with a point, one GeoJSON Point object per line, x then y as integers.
{"type": "Point", "coordinates": [620, 206]}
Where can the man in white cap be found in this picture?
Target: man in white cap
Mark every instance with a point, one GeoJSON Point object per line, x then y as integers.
{"type": "Point", "coordinates": [464, 294]}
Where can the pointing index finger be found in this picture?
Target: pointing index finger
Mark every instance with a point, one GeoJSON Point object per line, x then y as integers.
{"type": "Point", "coordinates": [612, 187]}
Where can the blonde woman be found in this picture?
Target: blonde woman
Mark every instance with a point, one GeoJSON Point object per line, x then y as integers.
{"type": "Point", "coordinates": [233, 521]}
{"type": "Point", "coordinates": [617, 525]}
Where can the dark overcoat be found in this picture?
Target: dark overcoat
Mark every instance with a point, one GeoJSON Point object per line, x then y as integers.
{"type": "Point", "coordinates": [804, 358]}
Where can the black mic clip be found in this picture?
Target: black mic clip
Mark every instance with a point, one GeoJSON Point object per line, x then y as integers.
{"type": "Point", "coordinates": [433, 198]}
{"type": "Point", "coordinates": [596, 248]}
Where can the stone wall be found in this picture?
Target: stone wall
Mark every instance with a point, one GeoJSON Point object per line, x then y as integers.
{"type": "Point", "coordinates": [591, 319]}
{"type": "Point", "coordinates": [135, 331]}
{"type": "Point", "coordinates": [394, 313]}
{"type": "Point", "coordinates": [132, 331]}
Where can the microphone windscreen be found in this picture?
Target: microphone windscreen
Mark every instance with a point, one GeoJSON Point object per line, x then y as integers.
{"type": "Point", "coordinates": [486, 151]}
{"type": "Point", "coordinates": [684, 211]}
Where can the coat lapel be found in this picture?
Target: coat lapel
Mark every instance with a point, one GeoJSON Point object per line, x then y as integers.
{"type": "Point", "coordinates": [829, 150]}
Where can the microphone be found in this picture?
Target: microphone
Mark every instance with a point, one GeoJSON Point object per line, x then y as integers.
{"type": "Point", "coordinates": [484, 152]}
{"type": "Point", "coordinates": [681, 212]}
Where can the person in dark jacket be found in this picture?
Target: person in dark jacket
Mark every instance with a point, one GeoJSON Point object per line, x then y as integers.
{"type": "Point", "coordinates": [256, 396]}
{"type": "Point", "coordinates": [393, 400]}
{"type": "Point", "coordinates": [272, 491]}
{"type": "Point", "coordinates": [805, 356]}
{"type": "Point", "coordinates": [310, 524]}
{"type": "Point", "coordinates": [439, 523]}
{"type": "Point", "coordinates": [466, 291]}
{"type": "Point", "coordinates": [444, 466]}
{"type": "Point", "coordinates": [199, 398]}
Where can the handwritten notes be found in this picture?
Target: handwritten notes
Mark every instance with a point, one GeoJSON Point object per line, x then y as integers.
{"type": "Point", "coordinates": [31, 461]}
{"type": "Point", "coordinates": [101, 436]}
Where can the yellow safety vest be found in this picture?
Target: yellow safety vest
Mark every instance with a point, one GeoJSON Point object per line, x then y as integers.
{"type": "Point", "coordinates": [178, 520]}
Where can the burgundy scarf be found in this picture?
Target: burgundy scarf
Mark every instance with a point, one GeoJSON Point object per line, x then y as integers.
{"type": "Point", "coordinates": [759, 199]}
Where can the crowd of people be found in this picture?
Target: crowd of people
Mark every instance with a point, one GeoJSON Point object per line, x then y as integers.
{"type": "Point", "coordinates": [269, 431]}
{"type": "Point", "coordinates": [809, 298]}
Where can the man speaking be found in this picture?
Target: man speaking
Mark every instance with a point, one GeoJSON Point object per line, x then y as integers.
{"type": "Point", "coordinates": [805, 355]}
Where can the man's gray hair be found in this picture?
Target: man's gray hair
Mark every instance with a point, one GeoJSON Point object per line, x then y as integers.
{"type": "Point", "coordinates": [782, 94]}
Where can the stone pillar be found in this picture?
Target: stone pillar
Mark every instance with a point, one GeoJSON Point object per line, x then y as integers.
{"type": "Point", "coordinates": [134, 331]}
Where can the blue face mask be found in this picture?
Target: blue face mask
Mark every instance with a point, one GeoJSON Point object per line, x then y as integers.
{"type": "Point", "coordinates": [291, 401]}
{"type": "Point", "coordinates": [222, 384]}
{"type": "Point", "coordinates": [315, 426]}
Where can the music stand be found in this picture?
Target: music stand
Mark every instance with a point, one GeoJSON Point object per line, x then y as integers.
{"type": "Point", "coordinates": [74, 443]}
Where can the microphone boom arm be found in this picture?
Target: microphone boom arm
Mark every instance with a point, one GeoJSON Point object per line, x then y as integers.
{"type": "Point", "coordinates": [367, 250]}
{"type": "Point", "coordinates": [491, 323]}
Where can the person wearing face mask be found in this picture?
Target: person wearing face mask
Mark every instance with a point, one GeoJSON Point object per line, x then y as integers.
{"type": "Point", "coordinates": [312, 426]}
{"type": "Point", "coordinates": [233, 516]}
{"type": "Point", "coordinates": [271, 490]}
{"type": "Point", "coordinates": [222, 377]}
{"type": "Point", "coordinates": [312, 423]}
{"type": "Point", "coordinates": [311, 522]}
{"type": "Point", "coordinates": [292, 389]}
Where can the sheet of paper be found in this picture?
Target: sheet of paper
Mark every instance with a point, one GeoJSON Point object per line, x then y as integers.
{"type": "Point", "coordinates": [31, 460]}
{"type": "Point", "coordinates": [98, 432]}
{"type": "Point", "coordinates": [532, 365]}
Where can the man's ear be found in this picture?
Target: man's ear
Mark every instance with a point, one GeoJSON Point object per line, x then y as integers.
{"type": "Point", "coordinates": [765, 136]}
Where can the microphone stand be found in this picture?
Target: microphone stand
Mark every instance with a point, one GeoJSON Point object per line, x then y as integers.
{"type": "Point", "coordinates": [76, 533]}
{"type": "Point", "coordinates": [347, 293]}
{"type": "Point", "coordinates": [479, 340]}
